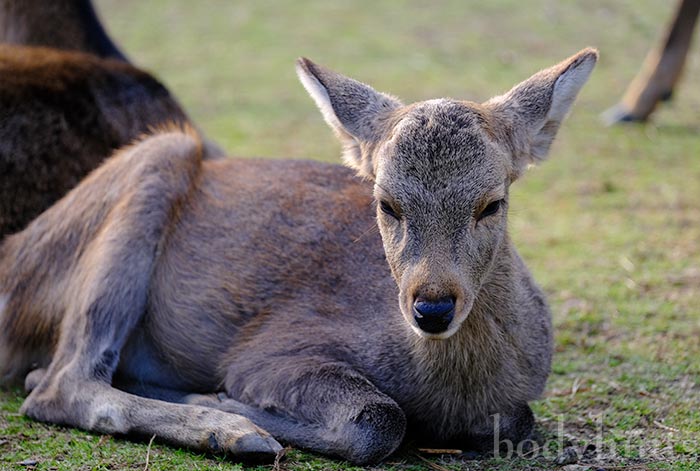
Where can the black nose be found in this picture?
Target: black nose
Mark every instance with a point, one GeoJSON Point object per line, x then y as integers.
{"type": "Point", "coordinates": [433, 316]}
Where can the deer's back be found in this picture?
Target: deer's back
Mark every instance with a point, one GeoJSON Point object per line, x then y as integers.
{"type": "Point", "coordinates": [62, 114]}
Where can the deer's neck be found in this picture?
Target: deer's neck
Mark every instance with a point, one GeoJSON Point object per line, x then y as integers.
{"type": "Point", "coordinates": [466, 374]}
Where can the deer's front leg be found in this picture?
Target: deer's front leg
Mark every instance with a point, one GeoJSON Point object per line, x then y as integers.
{"type": "Point", "coordinates": [504, 431]}
{"type": "Point", "coordinates": [329, 409]}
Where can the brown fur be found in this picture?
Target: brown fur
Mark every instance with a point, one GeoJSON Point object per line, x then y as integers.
{"type": "Point", "coordinates": [59, 24]}
{"type": "Point", "coordinates": [78, 109]}
{"type": "Point", "coordinates": [661, 69]}
{"type": "Point", "coordinates": [200, 300]}
{"type": "Point", "coordinates": [78, 100]}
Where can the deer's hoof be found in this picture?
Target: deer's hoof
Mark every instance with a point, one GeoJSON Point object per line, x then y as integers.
{"type": "Point", "coordinates": [249, 448]}
{"type": "Point", "coordinates": [619, 114]}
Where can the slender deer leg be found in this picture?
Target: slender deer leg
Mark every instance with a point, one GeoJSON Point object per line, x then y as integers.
{"type": "Point", "coordinates": [105, 298]}
{"type": "Point", "coordinates": [661, 69]}
{"type": "Point", "coordinates": [332, 410]}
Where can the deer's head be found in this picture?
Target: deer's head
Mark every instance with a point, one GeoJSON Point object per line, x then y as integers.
{"type": "Point", "coordinates": [441, 171]}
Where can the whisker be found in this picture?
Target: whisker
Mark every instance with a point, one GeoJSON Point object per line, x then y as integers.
{"type": "Point", "coordinates": [373, 229]}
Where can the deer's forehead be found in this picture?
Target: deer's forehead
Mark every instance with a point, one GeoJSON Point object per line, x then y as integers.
{"type": "Point", "coordinates": [441, 144]}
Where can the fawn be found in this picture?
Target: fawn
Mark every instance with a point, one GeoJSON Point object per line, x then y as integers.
{"type": "Point", "coordinates": [226, 305]}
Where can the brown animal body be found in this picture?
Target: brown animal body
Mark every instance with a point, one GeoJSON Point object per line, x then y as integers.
{"type": "Point", "coordinates": [64, 111]}
{"type": "Point", "coordinates": [218, 304]}
{"type": "Point", "coordinates": [58, 24]}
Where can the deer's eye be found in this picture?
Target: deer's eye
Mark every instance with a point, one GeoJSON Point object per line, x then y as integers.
{"type": "Point", "coordinates": [490, 209]}
{"type": "Point", "coordinates": [389, 210]}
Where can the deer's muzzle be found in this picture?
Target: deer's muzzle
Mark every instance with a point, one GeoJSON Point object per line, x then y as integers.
{"type": "Point", "coordinates": [434, 315]}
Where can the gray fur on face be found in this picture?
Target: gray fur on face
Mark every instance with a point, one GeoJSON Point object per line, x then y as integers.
{"type": "Point", "coordinates": [439, 169]}
{"type": "Point", "coordinates": [438, 164]}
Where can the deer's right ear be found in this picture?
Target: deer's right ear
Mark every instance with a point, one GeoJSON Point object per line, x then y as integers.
{"type": "Point", "coordinates": [356, 112]}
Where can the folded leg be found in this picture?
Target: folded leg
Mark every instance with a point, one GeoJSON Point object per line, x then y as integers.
{"type": "Point", "coordinates": [331, 410]}
{"type": "Point", "coordinates": [106, 295]}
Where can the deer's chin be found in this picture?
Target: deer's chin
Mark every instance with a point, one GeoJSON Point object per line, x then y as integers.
{"type": "Point", "coordinates": [441, 336]}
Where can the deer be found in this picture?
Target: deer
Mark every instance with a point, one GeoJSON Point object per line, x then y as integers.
{"type": "Point", "coordinates": [661, 70]}
{"type": "Point", "coordinates": [71, 25]}
{"type": "Point", "coordinates": [235, 305]}
{"type": "Point", "coordinates": [69, 98]}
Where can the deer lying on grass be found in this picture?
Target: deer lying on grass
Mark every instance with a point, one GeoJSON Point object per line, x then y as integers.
{"type": "Point", "coordinates": [64, 109]}
{"type": "Point", "coordinates": [218, 304]}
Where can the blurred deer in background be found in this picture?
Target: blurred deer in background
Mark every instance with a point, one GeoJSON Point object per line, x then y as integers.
{"type": "Point", "coordinates": [661, 69]}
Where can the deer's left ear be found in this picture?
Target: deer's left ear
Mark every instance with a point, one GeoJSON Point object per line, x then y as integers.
{"type": "Point", "coordinates": [529, 115]}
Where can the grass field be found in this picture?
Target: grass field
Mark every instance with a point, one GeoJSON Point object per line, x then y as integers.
{"type": "Point", "coordinates": [610, 225]}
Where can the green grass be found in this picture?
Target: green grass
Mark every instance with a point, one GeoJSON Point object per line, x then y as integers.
{"type": "Point", "coordinates": [610, 226]}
